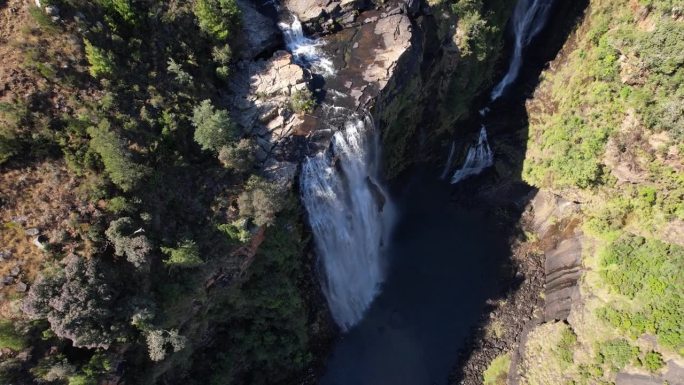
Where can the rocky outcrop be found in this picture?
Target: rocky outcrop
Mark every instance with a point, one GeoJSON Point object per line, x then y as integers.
{"type": "Point", "coordinates": [260, 35]}
{"type": "Point", "coordinates": [374, 58]}
{"type": "Point", "coordinates": [555, 221]}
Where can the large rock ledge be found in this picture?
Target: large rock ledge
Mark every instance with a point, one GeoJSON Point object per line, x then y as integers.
{"type": "Point", "coordinates": [368, 55]}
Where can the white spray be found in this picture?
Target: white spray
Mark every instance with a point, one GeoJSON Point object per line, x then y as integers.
{"type": "Point", "coordinates": [306, 51]}
{"type": "Point", "coordinates": [350, 215]}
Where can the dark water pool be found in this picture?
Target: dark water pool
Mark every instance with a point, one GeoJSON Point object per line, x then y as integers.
{"type": "Point", "coordinates": [442, 267]}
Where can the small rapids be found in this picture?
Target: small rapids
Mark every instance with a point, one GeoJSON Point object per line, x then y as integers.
{"type": "Point", "coordinates": [306, 51]}
{"type": "Point", "coordinates": [479, 157]}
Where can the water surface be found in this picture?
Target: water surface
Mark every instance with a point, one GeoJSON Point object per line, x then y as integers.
{"type": "Point", "coordinates": [442, 267]}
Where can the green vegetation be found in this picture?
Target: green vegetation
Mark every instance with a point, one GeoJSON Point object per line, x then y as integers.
{"type": "Point", "coordinates": [217, 17]}
{"type": "Point", "coordinates": [653, 361]}
{"type": "Point", "coordinates": [497, 371]}
{"type": "Point", "coordinates": [10, 338]}
{"type": "Point", "coordinates": [186, 255]}
{"type": "Point", "coordinates": [213, 128]}
{"type": "Point", "coordinates": [649, 273]}
{"type": "Point", "coordinates": [101, 61]}
{"type": "Point", "coordinates": [616, 354]}
{"type": "Point", "coordinates": [302, 101]}
{"type": "Point", "coordinates": [606, 129]}
{"type": "Point", "coordinates": [153, 257]}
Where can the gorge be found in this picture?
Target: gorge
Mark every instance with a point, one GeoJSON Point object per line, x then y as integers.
{"type": "Point", "coordinates": [341, 192]}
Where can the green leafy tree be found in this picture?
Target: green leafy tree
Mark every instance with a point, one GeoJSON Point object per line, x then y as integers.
{"type": "Point", "coordinates": [213, 127]}
{"type": "Point", "coordinates": [218, 18]}
{"type": "Point", "coordinates": [122, 170]}
{"type": "Point", "coordinates": [101, 61]}
{"type": "Point", "coordinates": [185, 256]}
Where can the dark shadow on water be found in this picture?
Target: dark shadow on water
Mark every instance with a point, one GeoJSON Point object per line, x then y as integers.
{"type": "Point", "coordinates": [442, 258]}
{"type": "Point", "coordinates": [450, 253]}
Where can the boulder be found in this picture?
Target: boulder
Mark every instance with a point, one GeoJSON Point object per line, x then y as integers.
{"type": "Point", "coordinates": [21, 287]}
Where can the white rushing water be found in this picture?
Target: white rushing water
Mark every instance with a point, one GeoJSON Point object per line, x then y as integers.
{"type": "Point", "coordinates": [528, 20]}
{"type": "Point", "coordinates": [306, 51]}
{"type": "Point", "coordinates": [480, 156]}
{"type": "Point", "coordinates": [350, 215]}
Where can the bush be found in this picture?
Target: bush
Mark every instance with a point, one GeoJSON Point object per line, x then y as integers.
{"type": "Point", "coordinates": [186, 255]}
{"type": "Point", "coordinates": [135, 247]}
{"type": "Point", "coordinates": [617, 354]}
{"type": "Point", "coordinates": [497, 371]}
{"type": "Point", "coordinates": [122, 170]}
{"type": "Point", "coordinates": [653, 361]}
{"type": "Point", "coordinates": [260, 201]}
{"type": "Point", "coordinates": [218, 18]}
{"type": "Point", "coordinates": [78, 301]}
{"type": "Point", "coordinates": [213, 127]}
{"type": "Point", "coordinates": [101, 61]}
{"type": "Point", "coordinates": [239, 158]}
{"type": "Point", "coordinates": [160, 341]}
{"type": "Point", "coordinates": [649, 273]}
{"type": "Point", "coordinates": [302, 101]}
{"type": "Point", "coordinates": [10, 338]}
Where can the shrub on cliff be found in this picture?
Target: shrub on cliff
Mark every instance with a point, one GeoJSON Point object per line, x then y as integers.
{"type": "Point", "coordinates": [260, 201]}
{"type": "Point", "coordinates": [239, 157]}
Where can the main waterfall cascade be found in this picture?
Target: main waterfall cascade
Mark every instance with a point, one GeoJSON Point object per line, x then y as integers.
{"type": "Point", "coordinates": [349, 211]}
{"type": "Point", "coordinates": [350, 214]}
{"type": "Point", "coordinates": [529, 18]}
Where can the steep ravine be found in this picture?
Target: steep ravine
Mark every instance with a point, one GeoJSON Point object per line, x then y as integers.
{"type": "Point", "coordinates": [401, 62]}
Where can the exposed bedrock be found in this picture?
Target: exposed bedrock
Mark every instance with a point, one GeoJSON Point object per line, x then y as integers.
{"type": "Point", "coordinates": [555, 221]}
{"type": "Point", "coordinates": [390, 61]}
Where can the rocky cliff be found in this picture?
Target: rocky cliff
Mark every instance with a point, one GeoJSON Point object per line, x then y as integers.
{"type": "Point", "coordinates": [397, 60]}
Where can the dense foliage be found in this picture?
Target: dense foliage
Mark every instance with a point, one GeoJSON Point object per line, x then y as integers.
{"type": "Point", "coordinates": [606, 130]}
{"type": "Point", "coordinates": [152, 262]}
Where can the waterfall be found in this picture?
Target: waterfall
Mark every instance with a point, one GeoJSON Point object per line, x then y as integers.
{"type": "Point", "coordinates": [306, 51]}
{"type": "Point", "coordinates": [479, 157]}
{"type": "Point", "coordinates": [528, 20]}
{"type": "Point", "coordinates": [349, 213]}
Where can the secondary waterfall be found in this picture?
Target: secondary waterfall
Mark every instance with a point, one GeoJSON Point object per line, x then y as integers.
{"type": "Point", "coordinates": [479, 157]}
{"type": "Point", "coordinates": [306, 51]}
{"type": "Point", "coordinates": [349, 214]}
{"type": "Point", "coordinates": [528, 20]}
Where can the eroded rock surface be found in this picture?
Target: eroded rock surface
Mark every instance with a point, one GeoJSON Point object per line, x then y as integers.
{"type": "Point", "coordinates": [555, 221]}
